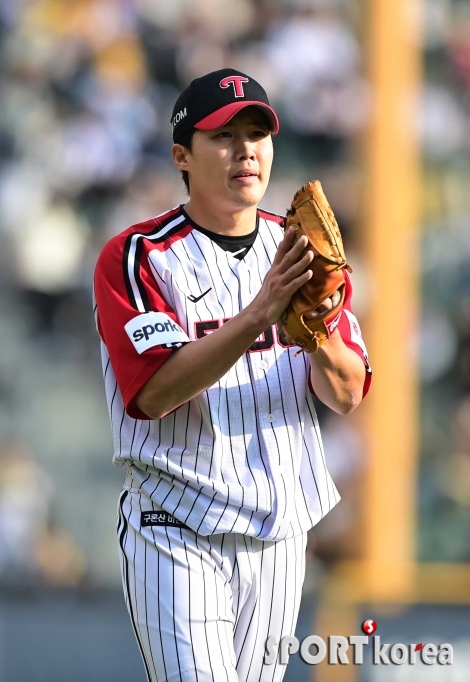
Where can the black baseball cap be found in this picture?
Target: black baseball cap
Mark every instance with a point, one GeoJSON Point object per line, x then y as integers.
{"type": "Point", "coordinates": [212, 100]}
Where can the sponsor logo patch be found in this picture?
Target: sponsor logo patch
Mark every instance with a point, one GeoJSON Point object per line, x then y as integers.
{"type": "Point", "coordinates": [154, 329]}
{"type": "Point", "coordinates": [160, 518]}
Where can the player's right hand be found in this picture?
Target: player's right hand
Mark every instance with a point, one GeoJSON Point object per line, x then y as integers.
{"type": "Point", "coordinates": [288, 273]}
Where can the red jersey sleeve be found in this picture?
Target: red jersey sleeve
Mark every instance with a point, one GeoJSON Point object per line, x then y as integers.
{"type": "Point", "coordinates": [134, 321]}
{"type": "Point", "coordinates": [350, 331]}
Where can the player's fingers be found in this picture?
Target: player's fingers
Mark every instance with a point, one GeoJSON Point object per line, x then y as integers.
{"type": "Point", "coordinates": [298, 267]}
{"type": "Point", "coordinates": [327, 304]}
{"type": "Point", "coordinates": [285, 245]}
{"type": "Point", "coordinates": [299, 281]}
{"type": "Point", "coordinates": [294, 254]}
{"type": "Point", "coordinates": [319, 310]}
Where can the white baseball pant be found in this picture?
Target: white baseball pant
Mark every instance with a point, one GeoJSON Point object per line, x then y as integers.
{"type": "Point", "coordinates": [202, 607]}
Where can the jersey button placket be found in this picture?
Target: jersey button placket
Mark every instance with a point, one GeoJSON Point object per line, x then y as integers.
{"type": "Point", "coordinates": [244, 283]}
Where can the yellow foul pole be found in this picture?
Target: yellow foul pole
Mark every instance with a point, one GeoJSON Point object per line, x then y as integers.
{"type": "Point", "coordinates": [392, 232]}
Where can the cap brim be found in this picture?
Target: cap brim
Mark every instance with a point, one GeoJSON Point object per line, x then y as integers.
{"type": "Point", "coordinates": [223, 115]}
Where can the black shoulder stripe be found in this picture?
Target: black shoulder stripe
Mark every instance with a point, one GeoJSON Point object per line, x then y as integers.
{"type": "Point", "coordinates": [138, 279]}
{"type": "Point", "coordinates": [125, 259]}
{"type": "Point", "coordinates": [133, 249]}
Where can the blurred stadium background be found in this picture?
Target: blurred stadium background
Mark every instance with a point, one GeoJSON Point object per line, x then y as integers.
{"type": "Point", "coordinates": [87, 87]}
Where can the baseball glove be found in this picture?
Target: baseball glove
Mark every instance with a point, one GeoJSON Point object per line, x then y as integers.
{"type": "Point", "coordinates": [315, 309]}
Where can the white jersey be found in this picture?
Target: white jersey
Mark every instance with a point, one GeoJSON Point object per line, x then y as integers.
{"type": "Point", "coordinates": [244, 456]}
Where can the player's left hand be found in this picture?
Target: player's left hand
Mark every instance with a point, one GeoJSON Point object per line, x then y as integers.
{"type": "Point", "coordinates": [327, 304]}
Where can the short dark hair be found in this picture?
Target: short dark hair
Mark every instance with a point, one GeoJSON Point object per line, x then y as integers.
{"type": "Point", "coordinates": [186, 141]}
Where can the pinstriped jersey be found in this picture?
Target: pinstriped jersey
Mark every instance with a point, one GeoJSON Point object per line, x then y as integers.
{"type": "Point", "coordinates": [244, 456]}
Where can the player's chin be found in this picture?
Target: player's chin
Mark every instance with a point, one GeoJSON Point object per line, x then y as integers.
{"type": "Point", "coordinates": [248, 195]}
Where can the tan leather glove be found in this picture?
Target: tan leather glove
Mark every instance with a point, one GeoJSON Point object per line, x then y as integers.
{"type": "Point", "coordinates": [315, 309]}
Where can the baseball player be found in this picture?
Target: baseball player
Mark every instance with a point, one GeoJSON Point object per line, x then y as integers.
{"type": "Point", "coordinates": [211, 409]}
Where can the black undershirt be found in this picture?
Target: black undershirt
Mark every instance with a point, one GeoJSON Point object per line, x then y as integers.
{"type": "Point", "coordinates": [239, 245]}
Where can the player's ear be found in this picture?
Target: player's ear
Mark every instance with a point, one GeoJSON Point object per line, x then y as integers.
{"type": "Point", "coordinates": [180, 154]}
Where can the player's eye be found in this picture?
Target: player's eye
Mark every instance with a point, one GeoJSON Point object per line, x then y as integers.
{"type": "Point", "coordinates": [224, 133]}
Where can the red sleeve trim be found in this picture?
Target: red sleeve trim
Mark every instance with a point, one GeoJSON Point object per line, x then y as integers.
{"type": "Point", "coordinates": [273, 217]}
{"type": "Point", "coordinates": [351, 334]}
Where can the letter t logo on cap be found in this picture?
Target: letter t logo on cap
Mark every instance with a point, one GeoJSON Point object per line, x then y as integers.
{"type": "Point", "coordinates": [237, 82]}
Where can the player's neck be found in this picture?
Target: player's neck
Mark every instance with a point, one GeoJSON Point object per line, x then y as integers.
{"type": "Point", "coordinates": [233, 224]}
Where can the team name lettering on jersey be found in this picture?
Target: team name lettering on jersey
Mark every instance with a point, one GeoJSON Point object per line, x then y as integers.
{"type": "Point", "coordinates": [264, 342]}
{"type": "Point", "coordinates": [154, 329]}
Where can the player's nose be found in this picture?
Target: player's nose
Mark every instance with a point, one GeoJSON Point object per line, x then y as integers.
{"type": "Point", "coordinates": [245, 150]}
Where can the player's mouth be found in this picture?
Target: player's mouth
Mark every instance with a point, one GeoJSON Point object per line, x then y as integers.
{"type": "Point", "coordinates": [245, 176]}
